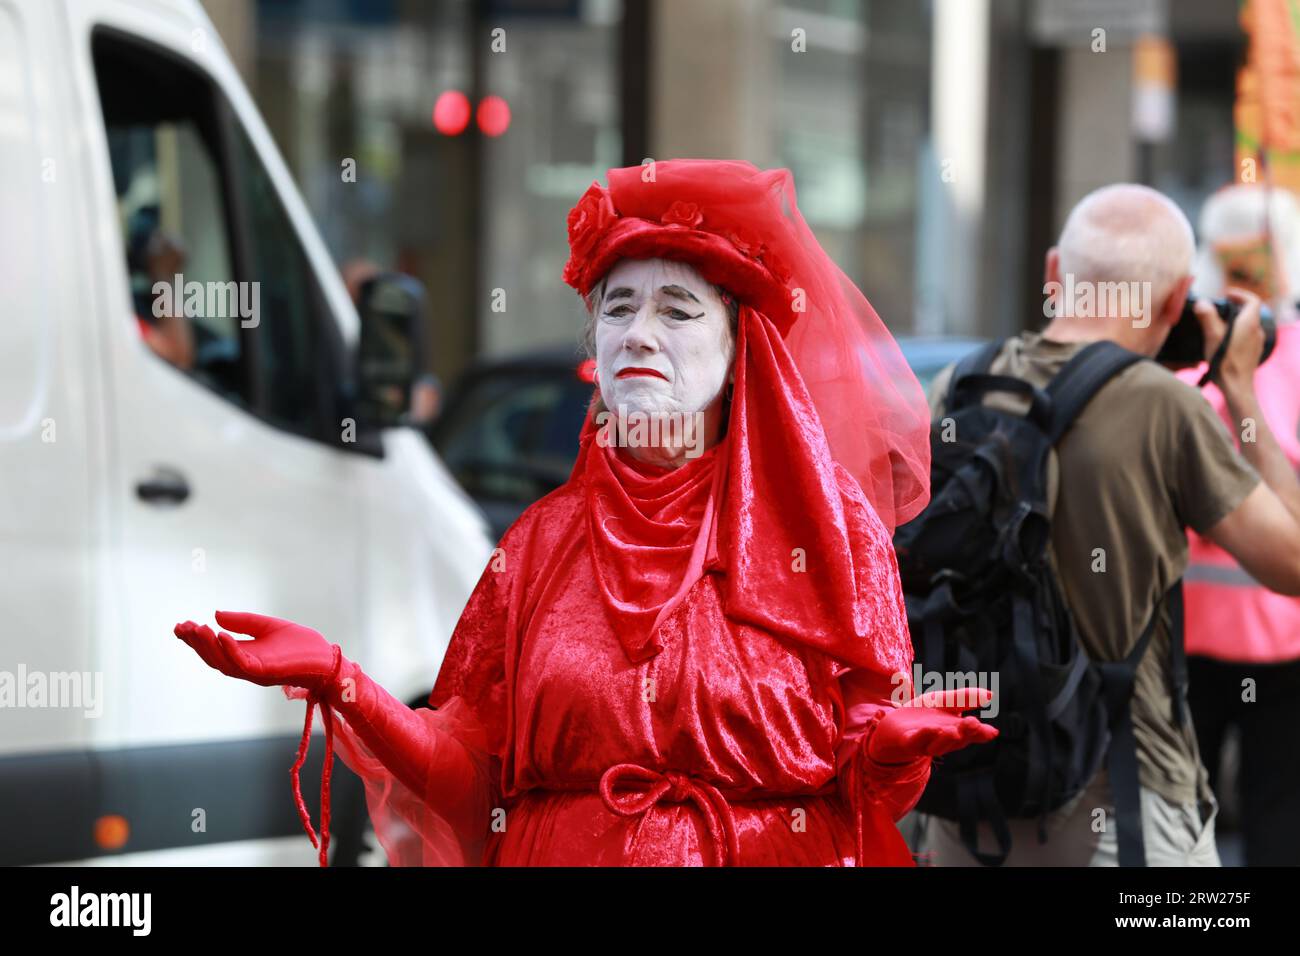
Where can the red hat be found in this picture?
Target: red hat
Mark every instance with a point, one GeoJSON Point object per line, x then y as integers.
{"type": "Point", "coordinates": [656, 211]}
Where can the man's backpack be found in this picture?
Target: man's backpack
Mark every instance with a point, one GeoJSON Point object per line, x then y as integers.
{"type": "Point", "coordinates": [983, 596]}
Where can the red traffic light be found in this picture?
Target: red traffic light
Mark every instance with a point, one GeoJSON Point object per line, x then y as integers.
{"type": "Point", "coordinates": [451, 113]}
{"type": "Point", "coordinates": [493, 115]}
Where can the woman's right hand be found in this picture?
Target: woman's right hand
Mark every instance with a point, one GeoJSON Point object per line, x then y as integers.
{"type": "Point", "coordinates": [282, 652]}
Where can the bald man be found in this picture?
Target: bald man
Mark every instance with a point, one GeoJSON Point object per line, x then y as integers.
{"type": "Point", "coordinates": [1145, 459]}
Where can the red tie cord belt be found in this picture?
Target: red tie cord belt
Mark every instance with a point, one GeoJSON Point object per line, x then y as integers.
{"type": "Point", "coordinates": [327, 717]}
{"type": "Point", "coordinates": [674, 787]}
{"type": "Point", "coordinates": [872, 825]}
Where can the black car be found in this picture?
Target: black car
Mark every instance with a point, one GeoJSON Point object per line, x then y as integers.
{"type": "Point", "coordinates": [509, 429]}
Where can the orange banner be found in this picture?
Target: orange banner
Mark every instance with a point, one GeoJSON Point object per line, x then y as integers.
{"type": "Point", "coordinates": [1267, 114]}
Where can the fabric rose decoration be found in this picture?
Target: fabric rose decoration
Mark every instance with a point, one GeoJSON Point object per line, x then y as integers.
{"type": "Point", "coordinates": [747, 244]}
{"type": "Point", "coordinates": [588, 221]}
{"type": "Point", "coordinates": [682, 213]}
{"type": "Point", "coordinates": [756, 249]}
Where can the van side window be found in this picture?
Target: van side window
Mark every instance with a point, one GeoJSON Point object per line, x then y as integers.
{"type": "Point", "coordinates": [289, 350]}
{"type": "Point", "coordinates": [221, 286]}
{"type": "Point", "coordinates": [164, 143]}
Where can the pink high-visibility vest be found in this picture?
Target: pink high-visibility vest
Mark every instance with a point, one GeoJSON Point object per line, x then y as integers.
{"type": "Point", "coordinates": [1229, 615]}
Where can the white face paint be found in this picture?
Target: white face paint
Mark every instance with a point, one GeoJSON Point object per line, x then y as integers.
{"type": "Point", "coordinates": [663, 339]}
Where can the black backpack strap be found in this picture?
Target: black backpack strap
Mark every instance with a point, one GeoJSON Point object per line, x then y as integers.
{"type": "Point", "coordinates": [976, 363]}
{"type": "Point", "coordinates": [978, 800]}
{"type": "Point", "coordinates": [1038, 773]}
{"type": "Point", "coordinates": [1117, 683]}
{"type": "Point", "coordinates": [1079, 380]}
{"type": "Point", "coordinates": [1178, 653]}
{"type": "Point", "coordinates": [1118, 679]}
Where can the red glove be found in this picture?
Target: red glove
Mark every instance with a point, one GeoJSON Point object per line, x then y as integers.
{"type": "Point", "coordinates": [285, 653]}
{"type": "Point", "coordinates": [930, 725]}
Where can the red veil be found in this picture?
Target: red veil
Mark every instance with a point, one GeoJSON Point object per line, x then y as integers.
{"type": "Point", "coordinates": [740, 227]}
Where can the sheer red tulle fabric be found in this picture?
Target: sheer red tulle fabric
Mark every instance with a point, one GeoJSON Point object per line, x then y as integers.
{"type": "Point", "coordinates": [446, 824]}
{"type": "Point", "coordinates": [684, 666]}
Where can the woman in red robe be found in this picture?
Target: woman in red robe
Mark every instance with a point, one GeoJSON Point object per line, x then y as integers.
{"type": "Point", "coordinates": [695, 652]}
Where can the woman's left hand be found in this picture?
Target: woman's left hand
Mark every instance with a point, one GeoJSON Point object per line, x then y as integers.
{"type": "Point", "coordinates": [930, 725]}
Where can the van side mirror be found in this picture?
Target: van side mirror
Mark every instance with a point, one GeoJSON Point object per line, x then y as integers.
{"type": "Point", "coordinates": [391, 352]}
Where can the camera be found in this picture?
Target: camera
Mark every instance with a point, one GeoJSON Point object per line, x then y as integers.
{"type": "Point", "coordinates": [1185, 346]}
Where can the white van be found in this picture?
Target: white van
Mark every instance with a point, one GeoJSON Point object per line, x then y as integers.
{"type": "Point", "coordinates": [135, 493]}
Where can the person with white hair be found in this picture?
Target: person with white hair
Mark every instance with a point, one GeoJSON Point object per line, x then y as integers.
{"type": "Point", "coordinates": [1250, 239]}
{"type": "Point", "coordinates": [1145, 459]}
{"type": "Point", "coordinates": [1243, 640]}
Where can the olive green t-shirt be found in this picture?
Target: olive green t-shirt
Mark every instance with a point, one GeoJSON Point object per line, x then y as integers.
{"type": "Point", "coordinates": [1147, 458]}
